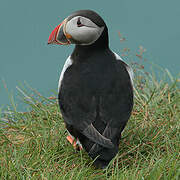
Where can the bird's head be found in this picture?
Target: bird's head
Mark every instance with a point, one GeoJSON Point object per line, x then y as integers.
{"type": "Point", "coordinates": [84, 27]}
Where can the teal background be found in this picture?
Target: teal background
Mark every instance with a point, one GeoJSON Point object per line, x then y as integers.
{"type": "Point", "coordinates": [26, 25]}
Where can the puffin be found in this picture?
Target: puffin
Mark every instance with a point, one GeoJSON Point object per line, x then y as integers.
{"type": "Point", "coordinates": [95, 91]}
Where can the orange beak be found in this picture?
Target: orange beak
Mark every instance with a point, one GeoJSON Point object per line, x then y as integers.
{"type": "Point", "coordinates": [58, 35]}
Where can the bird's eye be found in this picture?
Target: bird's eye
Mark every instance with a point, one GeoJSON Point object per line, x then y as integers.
{"type": "Point", "coordinates": [79, 24]}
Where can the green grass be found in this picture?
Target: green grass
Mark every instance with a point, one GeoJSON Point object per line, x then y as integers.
{"type": "Point", "coordinates": [33, 145]}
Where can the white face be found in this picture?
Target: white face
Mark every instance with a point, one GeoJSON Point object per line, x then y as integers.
{"type": "Point", "coordinates": [83, 30]}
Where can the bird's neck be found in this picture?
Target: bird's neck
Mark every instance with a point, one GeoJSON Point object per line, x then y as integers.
{"type": "Point", "coordinates": [85, 51]}
{"type": "Point", "coordinates": [81, 53]}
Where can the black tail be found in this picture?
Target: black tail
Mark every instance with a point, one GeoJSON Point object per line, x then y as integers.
{"type": "Point", "coordinates": [103, 156]}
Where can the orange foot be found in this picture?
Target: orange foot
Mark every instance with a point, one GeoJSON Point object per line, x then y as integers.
{"type": "Point", "coordinates": [75, 142]}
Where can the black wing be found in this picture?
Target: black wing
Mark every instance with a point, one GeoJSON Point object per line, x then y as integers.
{"type": "Point", "coordinates": [115, 106]}
{"type": "Point", "coordinates": [78, 103]}
{"type": "Point", "coordinates": [117, 102]}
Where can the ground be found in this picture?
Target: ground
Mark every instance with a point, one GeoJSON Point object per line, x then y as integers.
{"type": "Point", "coordinates": [33, 144]}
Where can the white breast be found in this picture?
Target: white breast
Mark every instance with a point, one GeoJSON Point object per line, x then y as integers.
{"type": "Point", "coordinates": [129, 69]}
{"type": "Point", "coordinates": [67, 63]}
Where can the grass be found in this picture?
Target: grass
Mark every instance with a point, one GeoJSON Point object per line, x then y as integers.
{"type": "Point", "coordinates": [33, 144]}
